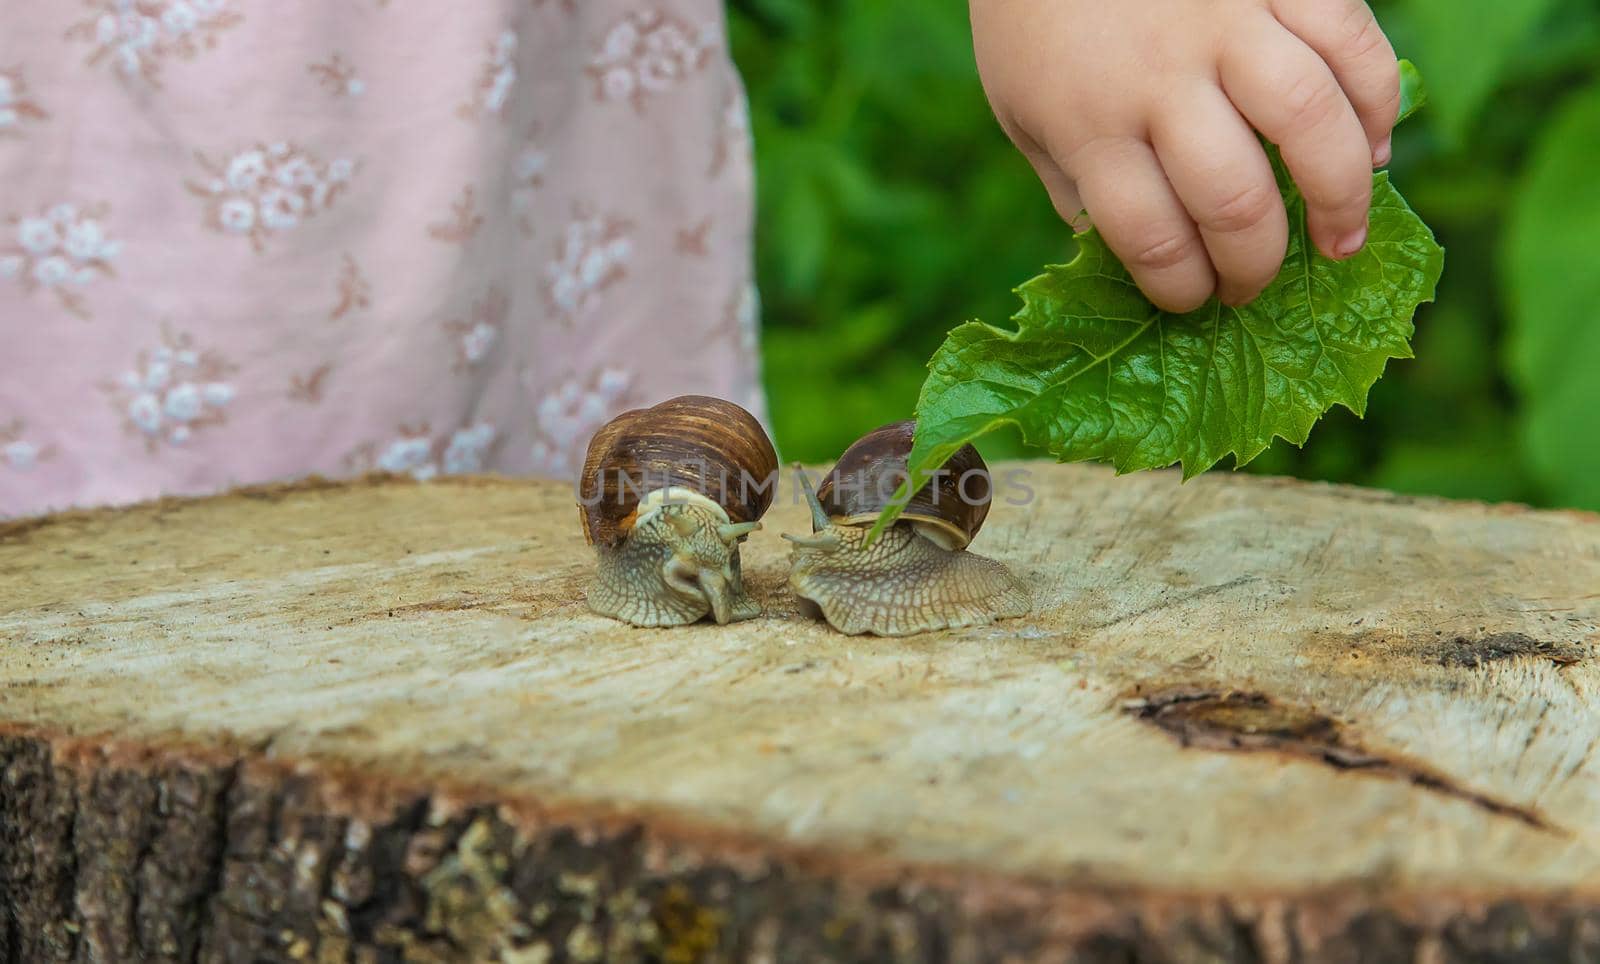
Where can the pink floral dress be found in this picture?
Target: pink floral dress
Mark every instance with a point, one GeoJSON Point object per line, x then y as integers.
{"type": "Point", "coordinates": [244, 240]}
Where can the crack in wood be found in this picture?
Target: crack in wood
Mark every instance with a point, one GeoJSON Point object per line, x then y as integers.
{"type": "Point", "coordinates": [203, 907]}
{"type": "Point", "coordinates": [1242, 721]}
{"type": "Point", "coordinates": [1468, 653]}
{"type": "Point", "coordinates": [1168, 601]}
{"type": "Point", "coordinates": [66, 896]}
{"type": "Point", "coordinates": [147, 829]}
{"type": "Point", "coordinates": [11, 945]}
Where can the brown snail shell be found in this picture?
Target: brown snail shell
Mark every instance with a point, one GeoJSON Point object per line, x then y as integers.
{"type": "Point", "coordinates": [666, 496]}
{"type": "Point", "coordinates": [918, 575]}
{"type": "Point", "coordinates": [706, 445]}
{"type": "Point", "coordinates": [950, 509]}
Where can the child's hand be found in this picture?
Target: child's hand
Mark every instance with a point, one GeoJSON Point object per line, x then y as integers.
{"type": "Point", "coordinates": [1140, 111]}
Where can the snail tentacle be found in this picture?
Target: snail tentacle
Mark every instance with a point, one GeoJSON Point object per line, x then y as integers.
{"type": "Point", "coordinates": [732, 532]}
{"type": "Point", "coordinates": [824, 541]}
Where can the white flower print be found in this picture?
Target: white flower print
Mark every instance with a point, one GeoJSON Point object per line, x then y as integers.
{"type": "Point", "coordinates": [20, 455]}
{"type": "Point", "coordinates": [144, 411]}
{"type": "Point", "coordinates": [477, 334]}
{"type": "Point", "coordinates": [85, 240]}
{"type": "Point", "coordinates": [647, 52]}
{"type": "Point", "coordinates": [618, 83]}
{"type": "Point", "coordinates": [468, 448]}
{"type": "Point", "coordinates": [237, 216]}
{"type": "Point", "coordinates": [621, 40]}
{"type": "Point", "coordinates": [530, 165]}
{"type": "Point", "coordinates": [63, 249]}
{"type": "Point", "coordinates": [37, 235]}
{"type": "Point", "coordinates": [745, 318]}
{"type": "Point", "coordinates": [739, 328]}
{"type": "Point", "coordinates": [593, 254]}
{"type": "Point", "coordinates": [246, 169]}
{"type": "Point", "coordinates": [179, 18]}
{"type": "Point", "coordinates": [299, 172]}
{"type": "Point", "coordinates": [476, 343]}
{"type": "Point", "coordinates": [568, 415]}
{"type": "Point", "coordinates": [18, 452]}
{"type": "Point", "coordinates": [733, 140]}
{"type": "Point", "coordinates": [158, 373]}
{"type": "Point", "coordinates": [268, 189]}
{"type": "Point", "coordinates": [416, 453]}
{"type": "Point", "coordinates": [172, 391]}
{"type": "Point", "coordinates": [527, 178]}
{"type": "Point", "coordinates": [338, 77]}
{"type": "Point", "coordinates": [495, 81]}
{"type": "Point", "coordinates": [52, 271]}
{"type": "Point", "coordinates": [406, 455]}
{"type": "Point", "coordinates": [136, 36]}
{"type": "Point", "coordinates": [280, 210]}
{"type": "Point", "coordinates": [184, 403]}
{"type": "Point", "coordinates": [612, 383]}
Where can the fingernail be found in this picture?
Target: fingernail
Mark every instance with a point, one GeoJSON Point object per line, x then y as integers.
{"type": "Point", "coordinates": [1350, 243]}
{"type": "Point", "coordinates": [1384, 152]}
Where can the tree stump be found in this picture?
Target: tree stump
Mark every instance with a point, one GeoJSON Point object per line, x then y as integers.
{"type": "Point", "coordinates": [1250, 719]}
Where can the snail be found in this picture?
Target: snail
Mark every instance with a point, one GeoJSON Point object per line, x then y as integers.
{"type": "Point", "coordinates": [918, 575]}
{"type": "Point", "coordinates": [666, 496]}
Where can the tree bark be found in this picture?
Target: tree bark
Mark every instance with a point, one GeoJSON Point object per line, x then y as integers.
{"type": "Point", "coordinates": [1248, 719]}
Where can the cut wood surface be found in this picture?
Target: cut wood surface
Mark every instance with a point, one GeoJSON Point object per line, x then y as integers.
{"type": "Point", "coordinates": [1249, 719]}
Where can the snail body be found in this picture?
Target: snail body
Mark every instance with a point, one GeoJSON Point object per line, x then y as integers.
{"type": "Point", "coordinates": [918, 575]}
{"type": "Point", "coordinates": [666, 496]}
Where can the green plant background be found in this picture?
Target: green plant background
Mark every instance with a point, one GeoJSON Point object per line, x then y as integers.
{"type": "Point", "coordinates": [892, 208]}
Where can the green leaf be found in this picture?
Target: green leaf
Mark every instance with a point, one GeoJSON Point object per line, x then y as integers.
{"type": "Point", "coordinates": [1554, 341]}
{"type": "Point", "coordinates": [1413, 93]}
{"type": "Point", "coordinates": [1465, 46]}
{"type": "Point", "coordinates": [1095, 371]}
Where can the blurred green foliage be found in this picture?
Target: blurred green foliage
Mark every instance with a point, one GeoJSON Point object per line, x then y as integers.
{"type": "Point", "coordinates": [892, 208]}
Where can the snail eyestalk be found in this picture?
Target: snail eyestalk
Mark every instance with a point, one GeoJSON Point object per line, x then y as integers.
{"type": "Point", "coordinates": [824, 541]}
{"type": "Point", "coordinates": [819, 518]}
{"type": "Point", "coordinates": [732, 532]}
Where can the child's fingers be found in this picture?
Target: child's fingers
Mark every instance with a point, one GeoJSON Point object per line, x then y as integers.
{"type": "Point", "coordinates": [1139, 215]}
{"type": "Point", "coordinates": [1063, 194]}
{"type": "Point", "coordinates": [1348, 38]}
{"type": "Point", "coordinates": [1218, 169]}
{"type": "Point", "coordinates": [1283, 88]}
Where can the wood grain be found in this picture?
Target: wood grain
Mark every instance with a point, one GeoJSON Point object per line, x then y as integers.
{"type": "Point", "coordinates": [1250, 719]}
